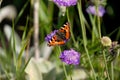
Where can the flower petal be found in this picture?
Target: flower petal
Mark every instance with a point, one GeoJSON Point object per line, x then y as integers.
{"type": "Point", "coordinates": [70, 57]}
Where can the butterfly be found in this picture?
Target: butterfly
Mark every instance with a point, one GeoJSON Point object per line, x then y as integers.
{"type": "Point", "coordinates": [61, 36]}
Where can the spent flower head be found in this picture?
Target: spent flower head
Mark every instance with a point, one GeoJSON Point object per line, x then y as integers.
{"type": "Point", "coordinates": [66, 3]}
{"type": "Point", "coordinates": [92, 10]}
{"type": "Point", "coordinates": [70, 57]}
{"type": "Point", "coordinates": [106, 41]}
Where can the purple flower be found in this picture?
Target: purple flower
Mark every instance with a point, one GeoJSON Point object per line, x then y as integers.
{"type": "Point", "coordinates": [66, 3]}
{"type": "Point", "coordinates": [49, 36]}
{"type": "Point", "coordinates": [92, 10]}
{"type": "Point", "coordinates": [70, 57]}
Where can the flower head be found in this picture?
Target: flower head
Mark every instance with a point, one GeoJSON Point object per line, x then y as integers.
{"type": "Point", "coordinates": [66, 3]}
{"type": "Point", "coordinates": [92, 10]}
{"type": "Point", "coordinates": [49, 36]}
{"type": "Point", "coordinates": [106, 41]}
{"type": "Point", "coordinates": [70, 57]}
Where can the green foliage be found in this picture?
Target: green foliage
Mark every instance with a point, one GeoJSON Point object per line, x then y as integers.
{"type": "Point", "coordinates": [97, 62]}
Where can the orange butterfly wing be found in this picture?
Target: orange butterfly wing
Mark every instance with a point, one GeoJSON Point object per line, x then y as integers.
{"type": "Point", "coordinates": [61, 36]}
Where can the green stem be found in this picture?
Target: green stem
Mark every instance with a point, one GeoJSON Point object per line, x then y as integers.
{"type": "Point", "coordinates": [69, 20]}
{"type": "Point", "coordinates": [84, 36]}
{"type": "Point", "coordinates": [98, 18]}
{"type": "Point", "coordinates": [106, 67]}
{"type": "Point", "coordinates": [14, 46]}
{"type": "Point", "coordinates": [99, 26]}
{"type": "Point", "coordinates": [64, 68]}
{"type": "Point", "coordinates": [94, 29]}
{"type": "Point", "coordinates": [71, 68]}
{"type": "Point", "coordinates": [112, 71]}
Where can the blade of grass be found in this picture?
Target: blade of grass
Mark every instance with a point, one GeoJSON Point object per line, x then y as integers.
{"type": "Point", "coordinates": [23, 47]}
{"type": "Point", "coordinates": [112, 71]}
{"type": "Point", "coordinates": [106, 66]}
{"type": "Point", "coordinates": [22, 71]}
{"type": "Point", "coordinates": [13, 41]}
{"type": "Point", "coordinates": [118, 34]}
{"type": "Point", "coordinates": [84, 36]}
{"type": "Point", "coordinates": [64, 68]}
{"type": "Point", "coordinates": [6, 73]}
{"type": "Point", "coordinates": [25, 30]}
{"type": "Point", "coordinates": [3, 43]}
{"type": "Point", "coordinates": [70, 20]}
{"type": "Point", "coordinates": [94, 29]}
{"type": "Point", "coordinates": [111, 33]}
{"type": "Point", "coordinates": [21, 12]}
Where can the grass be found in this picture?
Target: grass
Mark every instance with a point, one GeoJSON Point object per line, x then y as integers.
{"type": "Point", "coordinates": [97, 62]}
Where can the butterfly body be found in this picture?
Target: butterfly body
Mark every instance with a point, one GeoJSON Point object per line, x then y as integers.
{"type": "Point", "coordinates": [61, 36]}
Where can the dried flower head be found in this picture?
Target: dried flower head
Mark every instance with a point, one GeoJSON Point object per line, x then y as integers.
{"type": "Point", "coordinates": [106, 41]}
{"type": "Point", "coordinates": [70, 57]}
{"type": "Point", "coordinates": [66, 3]}
{"type": "Point", "coordinates": [92, 10]}
{"type": "Point", "coordinates": [113, 50]}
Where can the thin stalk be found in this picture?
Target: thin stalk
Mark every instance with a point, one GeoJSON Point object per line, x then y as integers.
{"type": "Point", "coordinates": [27, 52]}
{"type": "Point", "coordinates": [94, 29]}
{"type": "Point", "coordinates": [98, 18]}
{"type": "Point", "coordinates": [99, 32]}
{"type": "Point", "coordinates": [86, 50]}
{"type": "Point", "coordinates": [84, 36]}
{"type": "Point", "coordinates": [99, 26]}
{"type": "Point", "coordinates": [64, 68]}
{"type": "Point", "coordinates": [6, 73]}
{"type": "Point", "coordinates": [71, 68]}
{"type": "Point", "coordinates": [36, 28]}
{"type": "Point", "coordinates": [112, 71]}
{"type": "Point", "coordinates": [106, 67]}
{"type": "Point", "coordinates": [21, 12]}
{"type": "Point", "coordinates": [68, 17]}
{"type": "Point", "coordinates": [112, 65]}
{"type": "Point", "coordinates": [14, 50]}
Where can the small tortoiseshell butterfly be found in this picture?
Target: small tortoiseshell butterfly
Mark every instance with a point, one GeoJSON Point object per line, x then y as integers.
{"type": "Point", "coordinates": [61, 36]}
